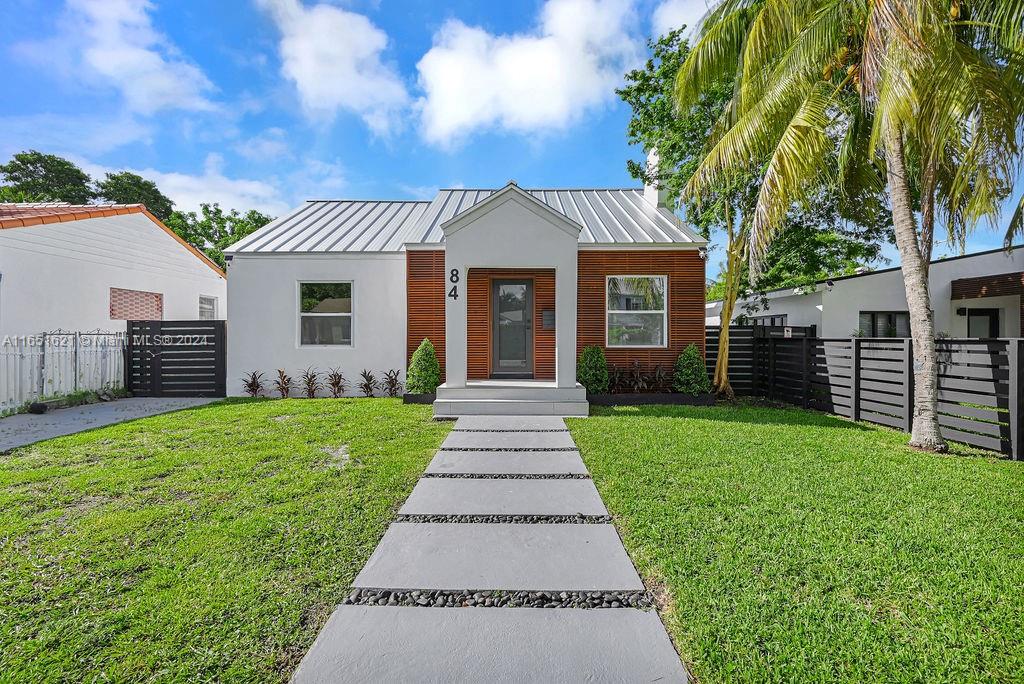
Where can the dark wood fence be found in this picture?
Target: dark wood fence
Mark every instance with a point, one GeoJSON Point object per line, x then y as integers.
{"type": "Point", "coordinates": [981, 388]}
{"type": "Point", "coordinates": [176, 358]}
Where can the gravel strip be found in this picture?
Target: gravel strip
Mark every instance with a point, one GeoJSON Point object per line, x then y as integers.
{"type": "Point", "coordinates": [512, 476]}
{"type": "Point", "coordinates": [578, 519]}
{"type": "Point", "coordinates": [497, 598]}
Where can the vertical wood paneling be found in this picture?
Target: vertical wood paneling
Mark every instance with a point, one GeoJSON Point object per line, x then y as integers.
{"type": "Point", "coordinates": [685, 271]}
{"type": "Point", "coordinates": [425, 294]}
{"type": "Point", "coordinates": [479, 320]}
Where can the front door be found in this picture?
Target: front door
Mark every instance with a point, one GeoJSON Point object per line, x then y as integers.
{"type": "Point", "coordinates": [983, 323]}
{"type": "Point", "coordinates": [512, 328]}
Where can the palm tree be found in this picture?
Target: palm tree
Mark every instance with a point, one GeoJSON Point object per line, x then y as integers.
{"type": "Point", "coordinates": [924, 97]}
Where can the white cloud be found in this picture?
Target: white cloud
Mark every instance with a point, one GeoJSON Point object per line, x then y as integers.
{"type": "Point", "coordinates": [269, 145]}
{"type": "Point", "coordinates": [274, 195]}
{"type": "Point", "coordinates": [334, 59]}
{"type": "Point", "coordinates": [113, 42]}
{"type": "Point", "coordinates": [671, 14]}
{"type": "Point", "coordinates": [525, 82]}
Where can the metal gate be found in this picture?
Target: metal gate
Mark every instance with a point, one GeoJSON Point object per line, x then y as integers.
{"type": "Point", "coordinates": [176, 358]}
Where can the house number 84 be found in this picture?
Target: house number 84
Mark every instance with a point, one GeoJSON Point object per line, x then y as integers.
{"type": "Point", "coordinates": [453, 277]}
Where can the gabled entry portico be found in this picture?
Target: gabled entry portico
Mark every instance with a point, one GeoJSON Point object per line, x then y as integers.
{"type": "Point", "coordinates": [502, 354]}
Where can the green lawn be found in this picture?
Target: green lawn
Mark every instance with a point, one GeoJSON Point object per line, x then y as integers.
{"type": "Point", "coordinates": [794, 546]}
{"type": "Point", "coordinates": [204, 545]}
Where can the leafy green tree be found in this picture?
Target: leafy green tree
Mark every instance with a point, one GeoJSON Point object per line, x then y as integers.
{"type": "Point", "coordinates": [11, 194]}
{"type": "Point", "coordinates": [47, 177]}
{"type": "Point", "coordinates": [214, 230]}
{"type": "Point", "coordinates": [126, 187]}
{"type": "Point", "coordinates": [727, 208]}
{"type": "Point", "coordinates": [922, 97]}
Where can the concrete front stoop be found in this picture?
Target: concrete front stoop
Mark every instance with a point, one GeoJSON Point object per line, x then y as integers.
{"type": "Point", "coordinates": [481, 579]}
{"type": "Point", "coordinates": [511, 398]}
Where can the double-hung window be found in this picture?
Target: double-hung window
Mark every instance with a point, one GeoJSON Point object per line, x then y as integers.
{"type": "Point", "coordinates": [637, 311]}
{"type": "Point", "coordinates": [325, 314]}
{"type": "Point", "coordinates": [207, 308]}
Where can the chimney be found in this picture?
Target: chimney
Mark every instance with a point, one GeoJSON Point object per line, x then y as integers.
{"type": "Point", "coordinates": [653, 193]}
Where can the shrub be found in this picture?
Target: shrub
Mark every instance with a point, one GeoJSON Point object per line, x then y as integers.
{"type": "Point", "coordinates": [336, 383]}
{"type": "Point", "coordinates": [592, 371]}
{"type": "Point", "coordinates": [691, 375]}
{"type": "Point", "coordinates": [283, 383]}
{"type": "Point", "coordinates": [392, 382]}
{"type": "Point", "coordinates": [368, 383]}
{"type": "Point", "coordinates": [253, 383]}
{"type": "Point", "coordinates": [311, 382]}
{"type": "Point", "coordinates": [424, 371]}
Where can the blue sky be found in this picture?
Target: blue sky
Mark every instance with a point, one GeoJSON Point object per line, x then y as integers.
{"type": "Point", "coordinates": [265, 103]}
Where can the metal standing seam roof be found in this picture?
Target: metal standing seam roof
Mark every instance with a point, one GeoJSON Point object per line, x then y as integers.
{"type": "Point", "coordinates": [607, 216]}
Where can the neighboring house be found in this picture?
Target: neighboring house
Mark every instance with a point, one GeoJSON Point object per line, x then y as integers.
{"type": "Point", "coordinates": [975, 295]}
{"type": "Point", "coordinates": [90, 267]}
{"type": "Point", "coordinates": [509, 285]}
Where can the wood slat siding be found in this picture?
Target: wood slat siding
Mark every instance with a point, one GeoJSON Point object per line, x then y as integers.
{"type": "Point", "coordinates": [999, 285]}
{"type": "Point", "coordinates": [478, 320]}
{"type": "Point", "coordinates": [425, 292]}
{"type": "Point", "coordinates": [685, 271]}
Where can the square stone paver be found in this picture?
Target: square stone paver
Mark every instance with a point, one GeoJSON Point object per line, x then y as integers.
{"type": "Point", "coordinates": [508, 440]}
{"type": "Point", "coordinates": [508, 462]}
{"type": "Point", "coordinates": [507, 497]}
{"type": "Point", "coordinates": [510, 423]}
{"type": "Point", "coordinates": [396, 644]}
{"type": "Point", "coordinates": [499, 556]}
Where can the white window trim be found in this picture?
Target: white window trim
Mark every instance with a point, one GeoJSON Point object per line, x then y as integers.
{"type": "Point", "coordinates": [299, 315]}
{"type": "Point", "coordinates": [608, 312]}
{"type": "Point", "coordinates": [216, 305]}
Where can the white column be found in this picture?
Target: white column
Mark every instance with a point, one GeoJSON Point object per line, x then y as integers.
{"type": "Point", "coordinates": [565, 323]}
{"type": "Point", "coordinates": [455, 321]}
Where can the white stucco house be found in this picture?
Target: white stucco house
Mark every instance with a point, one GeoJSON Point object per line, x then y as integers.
{"type": "Point", "coordinates": [85, 268]}
{"type": "Point", "coordinates": [508, 284]}
{"type": "Point", "coordinates": [975, 295]}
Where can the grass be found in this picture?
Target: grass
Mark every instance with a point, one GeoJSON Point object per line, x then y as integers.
{"type": "Point", "coordinates": [795, 546]}
{"type": "Point", "coordinates": [204, 545]}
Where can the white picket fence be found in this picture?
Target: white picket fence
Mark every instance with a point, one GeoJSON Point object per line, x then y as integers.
{"type": "Point", "coordinates": [58, 363]}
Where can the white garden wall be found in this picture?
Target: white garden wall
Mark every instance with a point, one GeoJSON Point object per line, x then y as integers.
{"type": "Point", "coordinates": [263, 320]}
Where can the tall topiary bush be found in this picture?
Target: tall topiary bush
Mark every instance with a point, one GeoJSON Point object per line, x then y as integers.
{"type": "Point", "coordinates": [592, 370]}
{"type": "Point", "coordinates": [691, 375]}
{"type": "Point", "coordinates": [424, 373]}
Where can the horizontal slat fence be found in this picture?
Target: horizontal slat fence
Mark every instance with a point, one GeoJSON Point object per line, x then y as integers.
{"type": "Point", "coordinates": [176, 358]}
{"type": "Point", "coordinates": [981, 391]}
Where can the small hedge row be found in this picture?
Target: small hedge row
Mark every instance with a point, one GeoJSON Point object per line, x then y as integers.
{"type": "Point", "coordinates": [689, 373]}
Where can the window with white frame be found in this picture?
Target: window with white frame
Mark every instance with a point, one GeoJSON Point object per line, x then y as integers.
{"type": "Point", "coordinates": [207, 308]}
{"type": "Point", "coordinates": [637, 311]}
{"type": "Point", "coordinates": [325, 313]}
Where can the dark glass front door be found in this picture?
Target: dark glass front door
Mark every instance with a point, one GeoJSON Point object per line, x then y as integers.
{"type": "Point", "coordinates": [512, 328]}
{"type": "Point", "coordinates": [983, 322]}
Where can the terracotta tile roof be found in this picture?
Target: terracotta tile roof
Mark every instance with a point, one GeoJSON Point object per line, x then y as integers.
{"type": "Point", "coordinates": [20, 214]}
{"type": "Point", "coordinates": [23, 214]}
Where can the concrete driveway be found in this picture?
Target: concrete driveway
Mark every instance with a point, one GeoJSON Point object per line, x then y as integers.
{"type": "Point", "coordinates": [25, 428]}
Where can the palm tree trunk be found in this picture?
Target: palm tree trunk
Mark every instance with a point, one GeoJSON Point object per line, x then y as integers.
{"type": "Point", "coordinates": [925, 432]}
{"type": "Point", "coordinates": [733, 272]}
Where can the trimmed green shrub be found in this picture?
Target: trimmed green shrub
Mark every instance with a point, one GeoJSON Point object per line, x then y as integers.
{"type": "Point", "coordinates": [691, 375]}
{"type": "Point", "coordinates": [424, 373]}
{"type": "Point", "coordinates": [592, 370]}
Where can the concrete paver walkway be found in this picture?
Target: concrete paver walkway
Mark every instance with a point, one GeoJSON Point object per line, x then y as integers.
{"type": "Point", "coordinates": [25, 428]}
{"type": "Point", "coordinates": [526, 474]}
